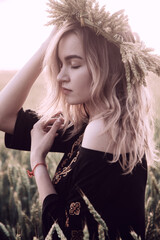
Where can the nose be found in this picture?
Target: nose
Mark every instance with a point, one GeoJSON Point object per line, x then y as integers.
{"type": "Point", "coordinates": [62, 75]}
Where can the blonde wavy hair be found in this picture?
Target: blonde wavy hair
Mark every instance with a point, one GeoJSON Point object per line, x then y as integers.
{"type": "Point", "coordinates": [128, 113]}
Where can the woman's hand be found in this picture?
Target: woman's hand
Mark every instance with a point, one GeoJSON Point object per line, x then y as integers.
{"type": "Point", "coordinates": [42, 138]}
{"type": "Point", "coordinates": [49, 38]}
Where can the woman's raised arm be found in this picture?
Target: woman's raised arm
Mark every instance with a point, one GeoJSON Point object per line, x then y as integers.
{"type": "Point", "coordinates": [15, 92]}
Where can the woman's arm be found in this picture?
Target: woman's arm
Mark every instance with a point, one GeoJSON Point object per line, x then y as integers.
{"type": "Point", "coordinates": [42, 137]}
{"type": "Point", "coordinates": [14, 94]}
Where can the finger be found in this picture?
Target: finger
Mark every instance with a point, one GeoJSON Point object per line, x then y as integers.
{"type": "Point", "coordinates": [56, 126]}
{"type": "Point", "coordinates": [58, 114]}
{"type": "Point", "coordinates": [53, 118]}
{"type": "Point", "coordinates": [51, 121]}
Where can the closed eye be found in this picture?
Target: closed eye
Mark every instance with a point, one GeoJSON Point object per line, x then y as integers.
{"type": "Point", "coordinates": [75, 67]}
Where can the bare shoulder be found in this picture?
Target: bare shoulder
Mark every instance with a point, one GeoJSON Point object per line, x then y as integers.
{"type": "Point", "coordinates": [94, 136]}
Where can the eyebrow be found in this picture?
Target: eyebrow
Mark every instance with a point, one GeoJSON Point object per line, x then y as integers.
{"type": "Point", "coordinates": [73, 56]}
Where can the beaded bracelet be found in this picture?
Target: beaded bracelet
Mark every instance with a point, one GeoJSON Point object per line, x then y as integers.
{"type": "Point", "coordinates": [31, 173]}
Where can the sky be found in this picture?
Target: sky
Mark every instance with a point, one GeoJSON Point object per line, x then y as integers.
{"type": "Point", "coordinates": [22, 26]}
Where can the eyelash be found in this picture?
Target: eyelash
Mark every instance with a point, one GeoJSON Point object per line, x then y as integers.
{"type": "Point", "coordinates": [75, 67]}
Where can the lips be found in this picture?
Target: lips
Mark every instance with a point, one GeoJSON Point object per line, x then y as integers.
{"type": "Point", "coordinates": [66, 90]}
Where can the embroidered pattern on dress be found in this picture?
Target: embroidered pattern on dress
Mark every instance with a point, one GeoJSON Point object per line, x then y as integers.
{"type": "Point", "coordinates": [76, 143]}
{"type": "Point", "coordinates": [65, 170]}
{"type": "Point", "coordinates": [62, 170]}
{"type": "Point", "coordinates": [77, 235]}
{"type": "Point", "coordinates": [75, 208]}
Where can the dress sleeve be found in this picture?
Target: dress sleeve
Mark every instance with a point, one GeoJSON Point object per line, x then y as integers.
{"type": "Point", "coordinates": [21, 139]}
{"type": "Point", "coordinates": [118, 198]}
{"type": "Point", "coordinates": [68, 213]}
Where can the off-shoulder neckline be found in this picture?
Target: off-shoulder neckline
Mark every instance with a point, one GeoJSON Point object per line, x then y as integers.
{"type": "Point", "coordinates": [93, 151]}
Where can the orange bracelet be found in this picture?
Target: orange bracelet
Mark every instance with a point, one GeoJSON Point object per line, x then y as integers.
{"type": "Point", "coordinates": [31, 174]}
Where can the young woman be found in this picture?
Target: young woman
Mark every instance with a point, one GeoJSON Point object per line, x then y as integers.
{"type": "Point", "coordinates": [102, 129]}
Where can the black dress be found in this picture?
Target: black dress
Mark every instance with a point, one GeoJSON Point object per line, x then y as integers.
{"type": "Point", "coordinates": [118, 198]}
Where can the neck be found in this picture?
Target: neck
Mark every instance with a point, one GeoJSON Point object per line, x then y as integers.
{"type": "Point", "coordinates": [92, 111]}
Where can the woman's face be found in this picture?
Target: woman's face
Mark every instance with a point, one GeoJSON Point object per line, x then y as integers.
{"type": "Point", "coordinates": [74, 77]}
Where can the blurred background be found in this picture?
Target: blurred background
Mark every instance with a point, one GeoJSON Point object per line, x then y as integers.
{"type": "Point", "coordinates": [22, 30]}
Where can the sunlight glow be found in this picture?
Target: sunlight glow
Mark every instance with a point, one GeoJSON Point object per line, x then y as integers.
{"type": "Point", "coordinates": [22, 27]}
